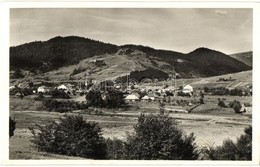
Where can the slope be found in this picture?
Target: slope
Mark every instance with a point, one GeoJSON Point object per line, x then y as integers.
{"type": "Point", "coordinates": [245, 57]}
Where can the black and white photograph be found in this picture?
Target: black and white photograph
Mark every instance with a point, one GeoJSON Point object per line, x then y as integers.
{"type": "Point", "coordinates": [131, 84]}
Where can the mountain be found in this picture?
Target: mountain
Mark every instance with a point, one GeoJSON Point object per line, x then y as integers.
{"type": "Point", "coordinates": [76, 57]}
{"type": "Point", "coordinates": [56, 52]}
{"type": "Point", "coordinates": [216, 63]}
{"type": "Point", "coordinates": [245, 57]}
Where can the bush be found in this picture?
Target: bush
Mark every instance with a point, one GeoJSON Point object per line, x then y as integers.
{"type": "Point", "coordinates": [239, 150]}
{"type": "Point", "coordinates": [12, 126]}
{"type": "Point", "coordinates": [236, 92]}
{"type": "Point", "coordinates": [235, 105]}
{"type": "Point", "coordinates": [201, 100]}
{"type": "Point", "coordinates": [183, 94]}
{"type": "Point", "coordinates": [221, 103]}
{"type": "Point", "coordinates": [63, 106]}
{"type": "Point", "coordinates": [72, 136]}
{"type": "Point", "coordinates": [157, 137]}
{"type": "Point", "coordinates": [59, 93]}
{"type": "Point", "coordinates": [78, 70]}
{"type": "Point", "coordinates": [115, 149]}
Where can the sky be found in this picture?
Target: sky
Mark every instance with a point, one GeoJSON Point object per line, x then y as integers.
{"type": "Point", "coordinates": [178, 29]}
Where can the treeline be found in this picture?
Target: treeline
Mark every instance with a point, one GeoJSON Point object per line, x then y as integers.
{"type": "Point", "coordinates": [62, 106]}
{"type": "Point", "coordinates": [56, 52]}
{"type": "Point", "coordinates": [78, 70]}
{"type": "Point", "coordinates": [224, 91]}
{"type": "Point", "coordinates": [155, 137]}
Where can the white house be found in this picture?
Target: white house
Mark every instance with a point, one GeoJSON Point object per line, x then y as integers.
{"type": "Point", "coordinates": [146, 98]}
{"type": "Point", "coordinates": [132, 97]}
{"type": "Point", "coordinates": [11, 87]}
{"type": "Point", "coordinates": [63, 87]}
{"type": "Point", "coordinates": [43, 89]}
{"type": "Point", "coordinates": [187, 89]}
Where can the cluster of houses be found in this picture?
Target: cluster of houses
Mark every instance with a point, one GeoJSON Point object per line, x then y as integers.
{"type": "Point", "coordinates": [147, 93]}
{"type": "Point", "coordinates": [38, 87]}
{"type": "Point", "coordinates": [46, 89]}
{"type": "Point", "coordinates": [151, 94]}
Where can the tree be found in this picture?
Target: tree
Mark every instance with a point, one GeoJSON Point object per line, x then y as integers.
{"type": "Point", "coordinates": [115, 149]}
{"type": "Point", "coordinates": [17, 74]}
{"type": "Point", "coordinates": [94, 99]}
{"type": "Point", "coordinates": [72, 136]}
{"type": "Point", "coordinates": [221, 103]}
{"type": "Point", "coordinates": [230, 150]}
{"type": "Point", "coordinates": [157, 137]}
{"type": "Point", "coordinates": [235, 105]}
{"type": "Point", "coordinates": [114, 99]}
{"type": "Point", "coordinates": [110, 99]}
{"type": "Point", "coordinates": [12, 126]}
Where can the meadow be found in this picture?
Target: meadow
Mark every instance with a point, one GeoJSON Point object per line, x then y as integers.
{"type": "Point", "coordinates": [210, 123]}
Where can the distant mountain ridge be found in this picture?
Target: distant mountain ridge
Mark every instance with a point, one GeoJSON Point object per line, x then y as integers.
{"type": "Point", "coordinates": [67, 51]}
{"type": "Point", "coordinates": [245, 57]}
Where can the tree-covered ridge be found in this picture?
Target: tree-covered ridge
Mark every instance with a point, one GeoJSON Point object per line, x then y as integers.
{"type": "Point", "coordinates": [56, 52]}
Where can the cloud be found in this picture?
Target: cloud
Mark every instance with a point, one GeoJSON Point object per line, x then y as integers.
{"type": "Point", "coordinates": [221, 12]}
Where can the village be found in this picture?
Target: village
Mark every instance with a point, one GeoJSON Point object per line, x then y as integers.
{"type": "Point", "coordinates": [183, 95]}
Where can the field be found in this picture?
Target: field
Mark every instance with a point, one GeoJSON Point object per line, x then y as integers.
{"type": "Point", "coordinates": [209, 123]}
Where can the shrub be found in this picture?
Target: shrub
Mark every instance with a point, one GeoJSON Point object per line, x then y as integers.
{"type": "Point", "coordinates": [72, 136]}
{"type": "Point", "coordinates": [221, 103]}
{"type": "Point", "coordinates": [157, 137]}
{"type": "Point", "coordinates": [201, 100]}
{"type": "Point", "coordinates": [239, 150]}
{"type": "Point", "coordinates": [59, 93]}
{"type": "Point", "coordinates": [12, 126]}
{"type": "Point", "coordinates": [236, 92]}
{"type": "Point", "coordinates": [235, 105]}
{"type": "Point", "coordinates": [183, 94]}
{"type": "Point", "coordinates": [63, 106]}
{"type": "Point", "coordinates": [115, 149]}
{"type": "Point", "coordinates": [78, 70]}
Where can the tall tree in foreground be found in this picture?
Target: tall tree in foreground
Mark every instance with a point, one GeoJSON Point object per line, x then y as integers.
{"type": "Point", "coordinates": [158, 137]}
{"type": "Point", "coordinates": [72, 136]}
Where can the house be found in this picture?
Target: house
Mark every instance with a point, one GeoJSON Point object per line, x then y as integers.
{"type": "Point", "coordinates": [187, 89]}
{"type": "Point", "coordinates": [132, 97]}
{"type": "Point", "coordinates": [11, 87]}
{"type": "Point", "coordinates": [63, 87]}
{"type": "Point", "coordinates": [147, 98]}
{"type": "Point", "coordinates": [43, 89]}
